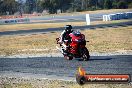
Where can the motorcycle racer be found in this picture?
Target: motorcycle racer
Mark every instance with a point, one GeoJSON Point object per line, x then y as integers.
{"type": "Point", "coordinates": [74, 45]}
{"type": "Point", "coordinates": [65, 34]}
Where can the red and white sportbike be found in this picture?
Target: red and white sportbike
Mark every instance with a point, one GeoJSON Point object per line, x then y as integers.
{"type": "Point", "coordinates": [75, 47]}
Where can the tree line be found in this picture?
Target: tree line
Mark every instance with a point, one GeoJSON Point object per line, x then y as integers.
{"type": "Point", "coordinates": [30, 6]}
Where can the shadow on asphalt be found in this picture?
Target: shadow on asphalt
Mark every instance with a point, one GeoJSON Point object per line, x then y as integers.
{"type": "Point", "coordinates": [100, 59]}
{"type": "Point", "coordinates": [106, 58]}
{"type": "Point", "coordinates": [94, 59]}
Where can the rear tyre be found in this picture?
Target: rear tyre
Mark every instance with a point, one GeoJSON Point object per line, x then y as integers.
{"type": "Point", "coordinates": [85, 54]}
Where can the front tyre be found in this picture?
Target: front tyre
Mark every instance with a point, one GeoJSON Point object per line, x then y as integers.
{"type": "Point", "coordinates": [85, 54]}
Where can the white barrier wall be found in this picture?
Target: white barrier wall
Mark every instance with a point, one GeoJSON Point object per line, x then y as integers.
{"type": "Point", "coordinates": [13, 21]}
{"type": "Point", "coordinates": [117, 16]}
{"type": "Point", "coordinates": [129, 14]}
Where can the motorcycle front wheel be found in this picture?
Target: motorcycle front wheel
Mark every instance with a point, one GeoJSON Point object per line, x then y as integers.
{"type": "Point", "coordinates": [85, 54]}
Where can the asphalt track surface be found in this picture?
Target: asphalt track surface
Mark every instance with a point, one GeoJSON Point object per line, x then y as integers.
{"type": "Point", "coordinates": [68, 18]}
{"type": "Point", "coordinates": [43, 31]}
{"type": "Point", "coordinates": [118, 64]}
{"type": "Point", "coordinates": [73, 18]}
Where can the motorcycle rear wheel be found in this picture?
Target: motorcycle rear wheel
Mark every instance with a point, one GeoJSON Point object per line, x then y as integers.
{"type": "Point", "coordinates": [68, 57]}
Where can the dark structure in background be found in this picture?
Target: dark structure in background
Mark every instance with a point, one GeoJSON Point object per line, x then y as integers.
{"type": "Point", "coordinates": [20, 8]}
{"type": "Point", "coordinates": [30, 6]}
{"type": "Point", "coordinates": [8, 7]}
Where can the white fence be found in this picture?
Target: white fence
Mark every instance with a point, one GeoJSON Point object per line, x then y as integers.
{"type": "Point", "coordinates": [13, 21]}
{"type": "Point", "coordinates": [117, 16]}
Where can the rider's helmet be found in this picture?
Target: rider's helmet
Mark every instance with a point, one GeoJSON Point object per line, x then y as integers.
{"type": "Point", "coordinates": [68, 28]}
